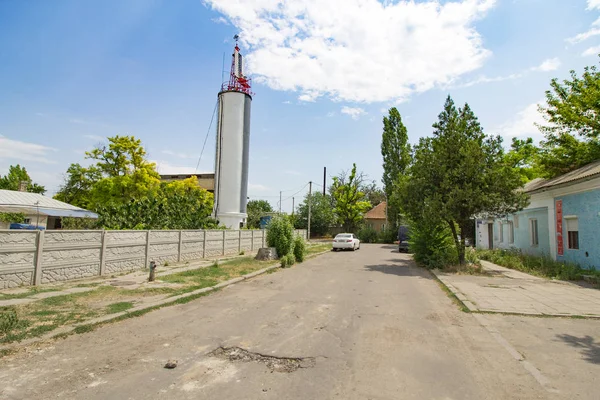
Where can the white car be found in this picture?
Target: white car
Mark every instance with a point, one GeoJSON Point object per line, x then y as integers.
{"type": "Point", "coordinates": [346, 241]}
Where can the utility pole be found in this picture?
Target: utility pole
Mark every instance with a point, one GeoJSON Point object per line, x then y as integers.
{"type": "Point", "coordinates": [280, 202]}
{"type": "Point", "coordinates": [293, 205]}
{"type": "Point", "coordinates": [324, 179]}
{"type": "Point", "coordinates": [309, 203]}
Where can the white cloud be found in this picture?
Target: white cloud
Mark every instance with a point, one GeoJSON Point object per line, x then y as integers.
{"type": "Point", "coordinates": [592, 51]}
{"type": "Point", "coordinates": [287, 102]}
{"type": "Point", "coordinates": [17, 150]}
{"type": "Point", "coordinates": [330, 114]}
{"type": "Point", "coordinates": [178, 154]}
{"type": "Point", "coordinates": [485, 79]}
{"type": "Point", "coordinates": [354, 112]}
{"type": "Point", "coordinates": [591, 4]}
{"type": "Point", "coordinates": [358, 50]}
{"type": "Point", "coordinates": [550, 64]}
{"type": "Point", "coordinates": [78, 121]}
{"type": "Point", "coordinates": [220, 20]}
{"type": "Point", "coordinates": [165, 168]}
{"type": "Point", "coordinates": [523, 124]}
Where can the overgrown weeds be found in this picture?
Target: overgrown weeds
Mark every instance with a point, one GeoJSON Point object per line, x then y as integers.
{"type": "Point", "coordinates": [536, 265]}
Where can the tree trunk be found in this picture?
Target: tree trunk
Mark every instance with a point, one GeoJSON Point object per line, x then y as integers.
{"type": "Point", "coordinates": [460, 247]}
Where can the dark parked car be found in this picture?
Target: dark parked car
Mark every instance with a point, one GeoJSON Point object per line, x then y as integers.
{"type": "Point", "coordinates": [403, 237]}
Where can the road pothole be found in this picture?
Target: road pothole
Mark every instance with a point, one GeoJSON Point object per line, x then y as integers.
{"type": "Point", "coordinates": [277, 364]}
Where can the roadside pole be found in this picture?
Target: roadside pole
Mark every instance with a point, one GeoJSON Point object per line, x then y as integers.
{"type": "Point", "coordinates": [309, 206]}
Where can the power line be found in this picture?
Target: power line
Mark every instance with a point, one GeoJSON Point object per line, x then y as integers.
{"type": "Point", "coordinates": [207, 132]}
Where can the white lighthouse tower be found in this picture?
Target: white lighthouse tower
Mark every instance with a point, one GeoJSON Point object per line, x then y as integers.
{"type": "Point", "coordinates": [233, 146]}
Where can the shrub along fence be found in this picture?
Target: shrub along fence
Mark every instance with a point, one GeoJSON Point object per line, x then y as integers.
{"type": "Point", "coordinates": [38, 257]}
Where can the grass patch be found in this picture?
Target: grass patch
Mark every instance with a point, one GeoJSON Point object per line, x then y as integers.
{"type": "Point", "coordinates": [318, 248]}
{"type": "Point", "coordinates": [118, 307]}
{"type": "Point", "coordinates": [536, 265]}
{"type": "Point", "coordinates": [31, 292]}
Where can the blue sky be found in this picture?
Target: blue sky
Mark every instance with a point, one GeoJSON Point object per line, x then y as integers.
{"type": "Point", "coordinates": [73, 72]}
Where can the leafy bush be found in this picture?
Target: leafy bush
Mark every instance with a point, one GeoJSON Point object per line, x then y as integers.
{"type": "Point", "coordinates": [288, 260]}
{"type": "Point", "coordinates": [8, 319]}
{"type": "Point", "coordinates": [432, 245]}
{"type": "Point", "coordinates": [280, 234]}
{"type": "Point", "coordinates": [536, 265]}
{"type": "Point", "coordinates": [388, 235]}
{"type": "Point", "coordinates": [367, 234]}
{"type": "Point", "coordinates": [299, 249]}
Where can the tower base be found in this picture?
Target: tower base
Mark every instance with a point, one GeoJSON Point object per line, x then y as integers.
{"type": "Point", "coordinates": [232, 220]}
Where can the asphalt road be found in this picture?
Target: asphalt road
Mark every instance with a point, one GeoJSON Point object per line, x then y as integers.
{"type": "Point", "coordinates": [348, 325]}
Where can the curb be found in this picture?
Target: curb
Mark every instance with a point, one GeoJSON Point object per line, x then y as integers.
{"type": "Point", "coordinates": [64, 331]}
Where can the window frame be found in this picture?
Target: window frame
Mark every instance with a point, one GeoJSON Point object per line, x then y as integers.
{"type": "Point", "coordinates": [534, 240]}
{"type": "Point", "coordinates": [511, 232]}
{"type": "Point", "coordinates": [572, 240]}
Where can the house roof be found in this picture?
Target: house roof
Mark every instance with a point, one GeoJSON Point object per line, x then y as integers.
{"type": "Point", "coordinates": [587, 171]}
{"type": "Point", "coordinates": [31, 203]}
{"type": "Point", "coordinates": [377, 212]}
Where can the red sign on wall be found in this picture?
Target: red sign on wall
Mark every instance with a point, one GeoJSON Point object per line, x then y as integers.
{"type": "Point", "coordinates": [559, 228]}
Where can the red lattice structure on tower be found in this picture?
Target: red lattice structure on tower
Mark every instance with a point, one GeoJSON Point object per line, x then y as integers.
{"type": "Point", "coordinates": [238, 82]}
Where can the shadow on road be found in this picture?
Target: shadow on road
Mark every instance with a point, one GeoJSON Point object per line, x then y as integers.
{"type": "Point", "coordinates": [399, 268]}
{"type": "Point", "coordinates": [591, 348]}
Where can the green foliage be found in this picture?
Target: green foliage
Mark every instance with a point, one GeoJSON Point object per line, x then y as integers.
{"type": "Point", "coordinates": [542, 266]}
{"type": "Point", "coordinates": [299, 249]}
{"type": "Point", "coordinates": [367, 234]}
{"type": "Point", "coordinates": [373, 193]}
{"type": "Point", "coordinates": [79, 223]}
{"type": "Point", "coordinates": [175, 205]}
{"type": "Point", "coordinates": [12, 217]}
{"type": "Point", "coordinates": [118, 307]}
{"type": "Point", "coordinates": [458, 173]}
{"type": "Point", "coordinates": [322, 216]}
{"type": "Point", "coordinates": [77, 186]}
{"type": "Point", "coordinates": [524, 158]}
{"type": "Point", "coordinates": [8, 319]}
{"type": "Point", "coordinates": [350, 201]}
{"type": "Point", "coordinates": [573, 115]}
{"type": "Point", "coordinates": [280, 234]}
{"type": "Point", "coordinates": [255, 210]}
{"type": "Point", "coordinates": [397, 158]}
{"type": "Point", "coordinates": [288, 260]}
{"type": "Point", "coordinates": [432, 245]}
{"type": "Point", "coordinates": [388, 235]}
{"type": "Point", "coordinates": [16, 175]}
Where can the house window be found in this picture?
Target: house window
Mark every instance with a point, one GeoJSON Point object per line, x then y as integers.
{"type": "Point", "coordinates": [572, 233]}
{"type": "Point", "coordinates": [516, 221]}
{"type": "Point", "coordinates": [500, 232]}
{"type": "Point", "coordinates": [27, 221]}
{"type": "Point", "coordinates": [511, 232]}
{"type": "Point", "coordinates": [533, 232]}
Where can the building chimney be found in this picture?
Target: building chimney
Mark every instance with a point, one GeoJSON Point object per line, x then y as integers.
{"type": "Point", "coordinates": [23, 186]}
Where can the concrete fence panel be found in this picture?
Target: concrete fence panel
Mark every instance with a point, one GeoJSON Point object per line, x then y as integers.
{"type": "Point", "coordinates": [39, 257]}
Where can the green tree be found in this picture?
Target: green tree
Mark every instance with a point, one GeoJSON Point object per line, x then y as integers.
{"type": "Point", "coordinates": [322, 216]}
{"type": "Point", "coordinates": [126, 174]}
{"type": "Point", "coordinates": [373, 193]}
{"type": "Point", "coordinates": [460, 173]}
{"type": "Point", "coordinates": [78, 184]}
{"type": "Point", "coordinates": [524, 157]}
{"type": "Point", "coordinates": [350, 201]}
{"type": "Point", "coordinates": [573, 116]}
{"type": "Point", "coordinates": [396, 153]}
{"type": "Point", "coordinates": [255, 209]}
{"type": "Point", "coordinates": [16, 175]}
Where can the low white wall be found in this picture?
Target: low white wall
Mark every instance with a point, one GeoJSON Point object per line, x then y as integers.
{"type": "Point", "coordinates": [38, 257]}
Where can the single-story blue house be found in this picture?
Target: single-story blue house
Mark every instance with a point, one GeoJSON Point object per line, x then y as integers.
{"type": "Point", "coordinates": [562, 220]}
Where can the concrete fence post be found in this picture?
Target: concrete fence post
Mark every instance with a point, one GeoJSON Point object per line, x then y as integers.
{"type": "Point", "coordinates": [103, 253]}
{"type": "Point", "coordinates": [240, 242]}
{"type": "Point", "coordinates": [179, 246]}
{"type": "Point", "coordinates": [204, 245]}
{"type": "Point", "coordinates": [147, 255]}
{"type": "Point", "coordinates": [252, 243]}
{"type": "Point", "coordinates": [39, 251]}
{"type": "Point", "coordinates": [224, 242]}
